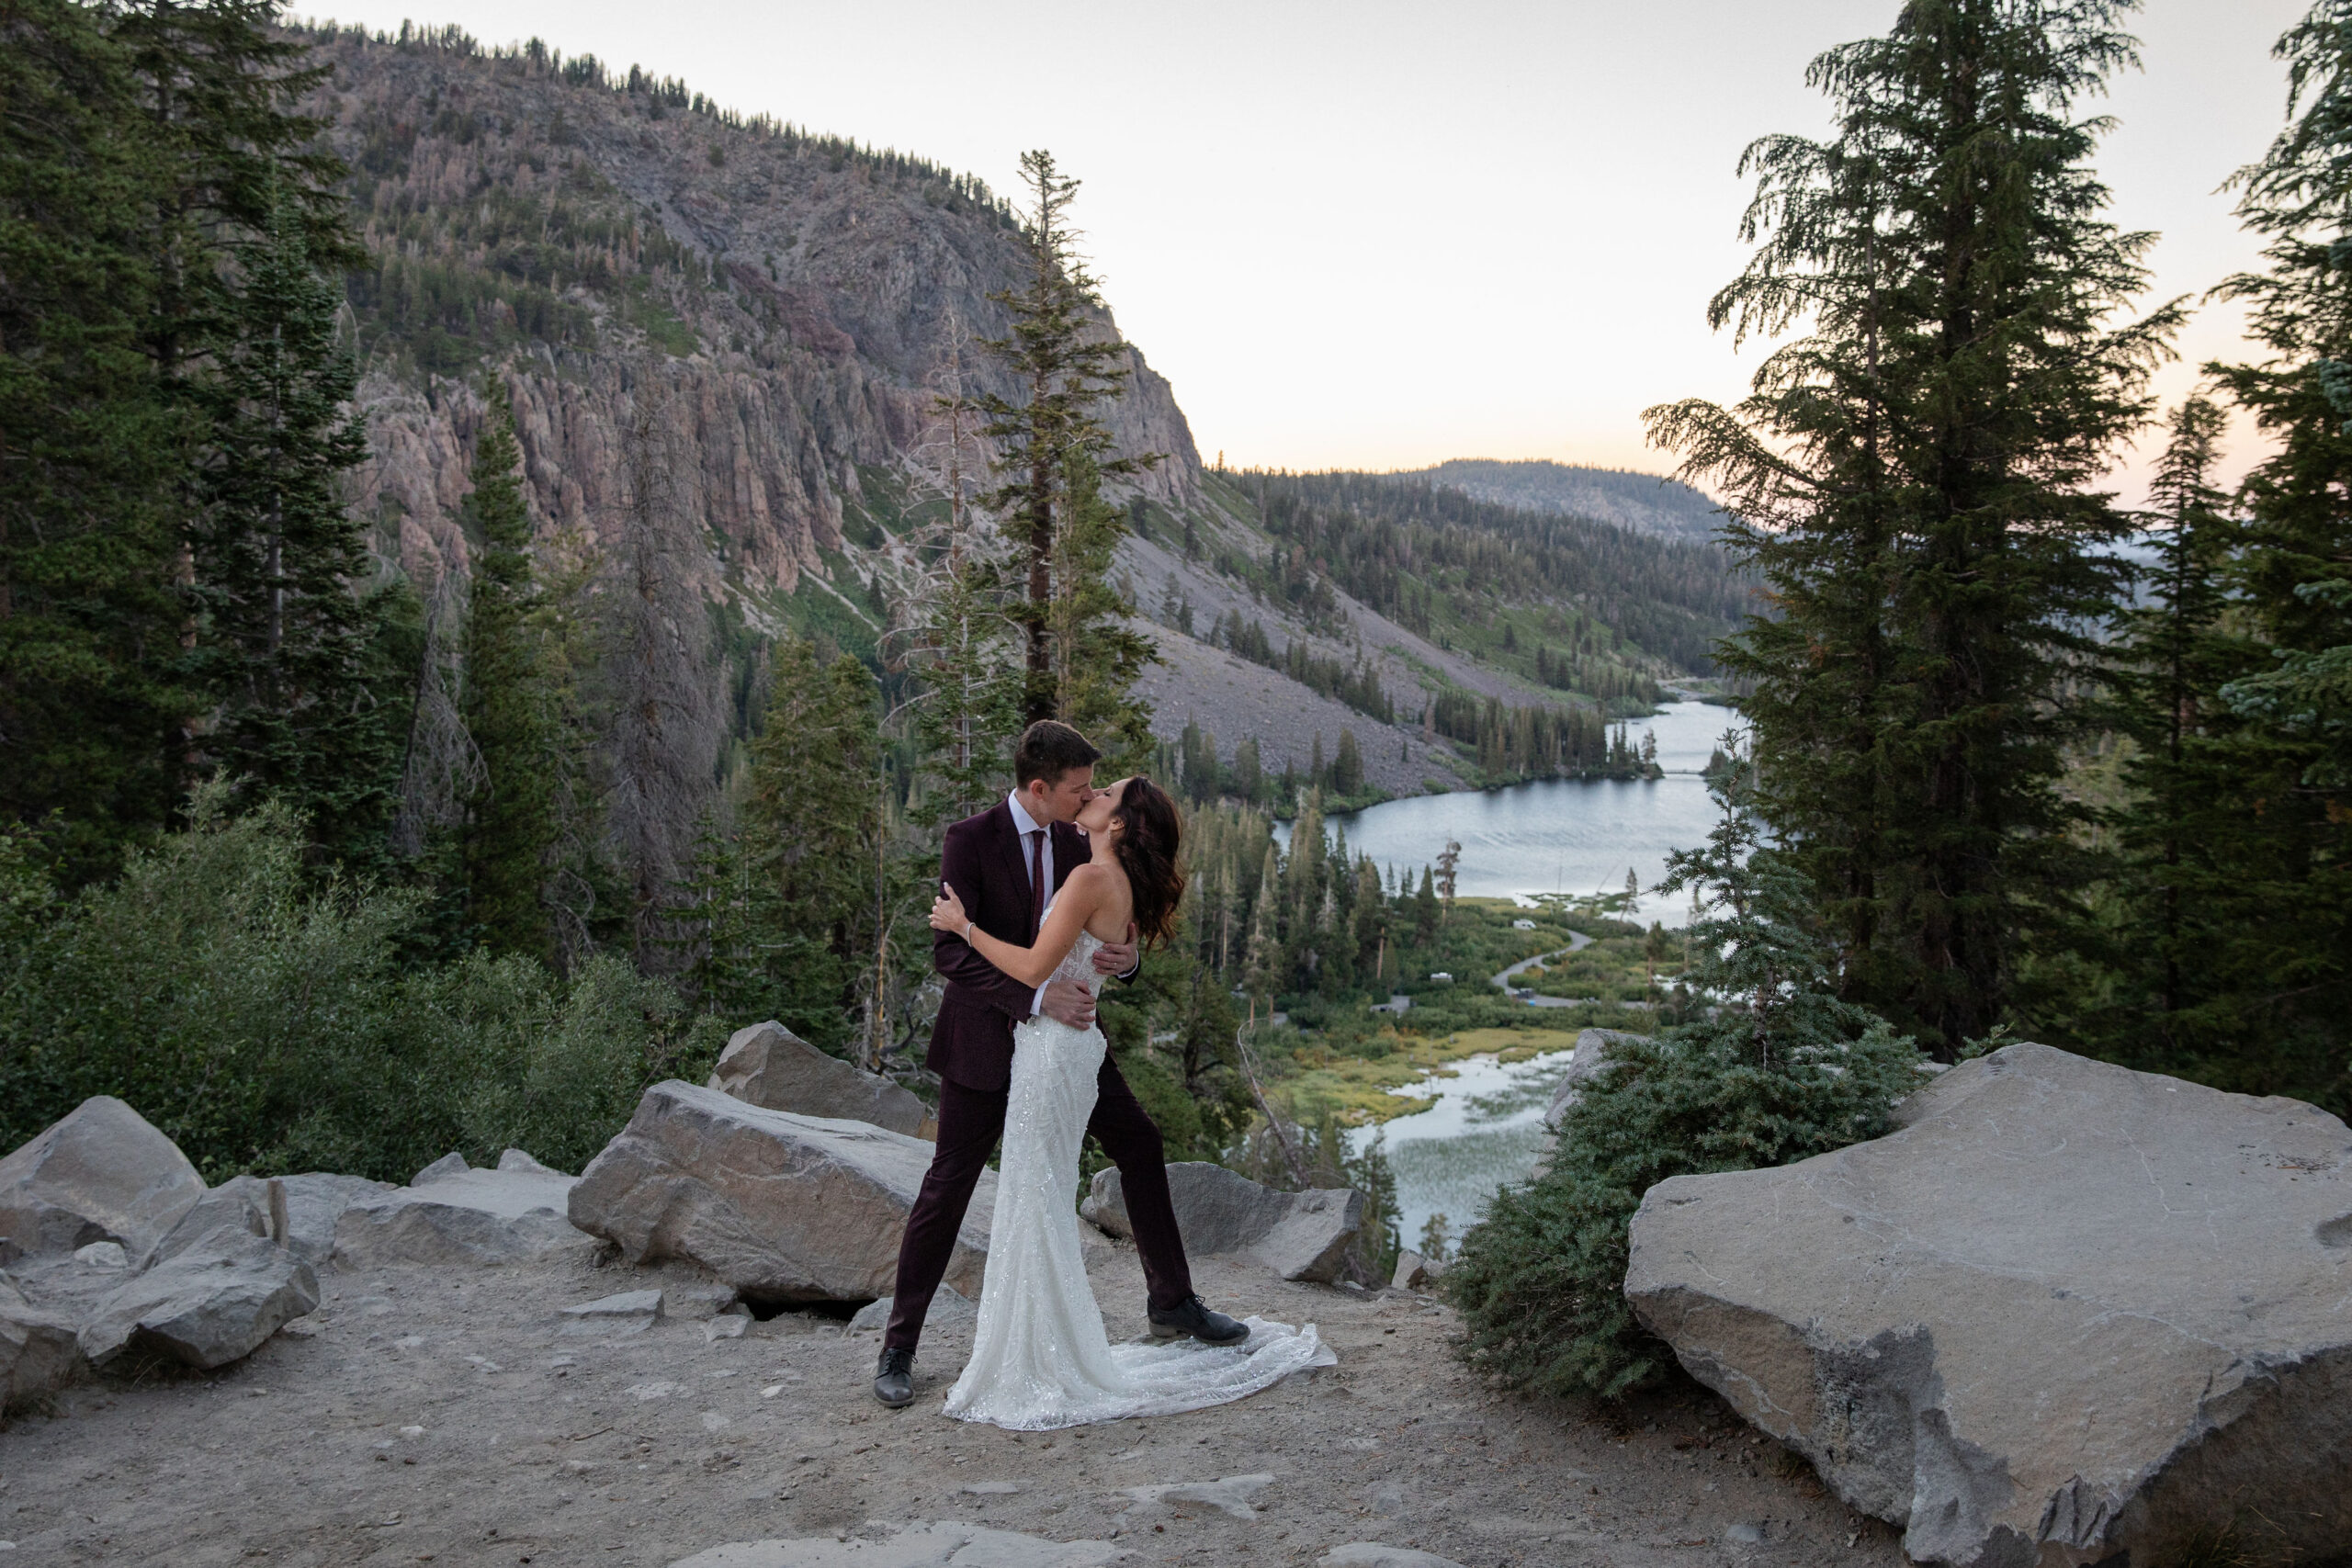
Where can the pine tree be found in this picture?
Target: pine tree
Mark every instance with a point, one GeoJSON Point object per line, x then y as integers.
{"type": "Point", "coordinates": [1053, 447]}
{"type": "Point", "coordinates": [509, 835]}
{"type": "Point", "coordinates": [1347, 765]}
{"type": "Point", "coordinates": [1096, 658]}
{"type": "Point", "coordinates": [2171, 659]}
{"type": "Point", "coordinates": [2277, 982]}
{"type": "Point", "coordinates": [277, 562]}
{"type": "Point", "coordinates": [93, 694]}
{"type": "Point", "coordinates": [1914, 477]}
{"type": "Point", "coordinates": [963, 645]}
{"type": "Point", "coordinates": [810, 822]}
{"type": "Point", "coordinates": [1782, 1070]}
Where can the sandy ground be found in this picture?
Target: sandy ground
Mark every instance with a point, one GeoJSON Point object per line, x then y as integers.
{"type": "Point", "coordinates": [445, 1417]}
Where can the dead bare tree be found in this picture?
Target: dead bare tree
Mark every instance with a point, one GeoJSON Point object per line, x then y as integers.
{"type": "Point", "coordinates": [440, 769]}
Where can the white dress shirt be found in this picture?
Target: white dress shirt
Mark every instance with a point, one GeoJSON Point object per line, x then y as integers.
{"type": "Point", "coordinates": [1027, 825]}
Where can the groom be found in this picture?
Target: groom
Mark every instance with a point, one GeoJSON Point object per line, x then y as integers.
{"type": "Point", "coordinates": [1006, 864]}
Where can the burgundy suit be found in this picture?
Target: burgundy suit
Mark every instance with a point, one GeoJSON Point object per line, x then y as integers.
{"type": "Point", "coordinates": [971, 1050]}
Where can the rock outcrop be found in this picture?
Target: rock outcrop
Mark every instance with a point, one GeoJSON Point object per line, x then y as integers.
{"type": "Point", "coordinates": [485, 1217]}
{"type": "Point", "coordinates": [768, 1066]}
{"type": "Point", "coordinates": [38, 1350]}
{"type": "Point", "coordinates": [766, 320]}
{"type": "Point", "coordinates": [300, 1214]}
{"type": "Point", "coordinates": [1299, 1236]}
{"type": "Point", "coordinates": [1592, 1055]}
{"type": "Point", "coordinates": [2068, 1313]}
{"type": "Point", "coordinates": [211, 1305]}
{"type": "Point", "coordinates": [101, 1173]}
{"type": "Point", "coordinates": [781, 1208]}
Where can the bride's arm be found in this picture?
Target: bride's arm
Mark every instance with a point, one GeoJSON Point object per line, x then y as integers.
{"type": "Point", "coordinates": [1073, 907]}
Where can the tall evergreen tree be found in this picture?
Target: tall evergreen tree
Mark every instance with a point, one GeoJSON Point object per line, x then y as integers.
{"type": "Point", "coordinates": [809, 820]}
{"type": "Point", "coordinates": [93, 694]}
{"type": "Point", "coordinates": [2173, 832]}
{"type": "Point", "coordinates": [964, 645]}
{"type": "Point", "coordinates": [2281, 986]}
{"type": "Point", "coordinates": [510, 828]}
{"type": "Point", "coordinates": [1096, 657]}
{"type": "Point", "coordinates": [1914, 477]}
{"type": "Point", "coordinates": [278, 564]}
{"type": "Point", "coordinates": [1053, 447]}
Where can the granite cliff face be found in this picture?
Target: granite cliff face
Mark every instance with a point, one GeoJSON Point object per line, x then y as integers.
{"type": "Point", "coordinates": [750, 323]}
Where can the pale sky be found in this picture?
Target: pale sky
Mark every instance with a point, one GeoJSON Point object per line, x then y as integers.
{"type": "Point", "coordinates": [1379, 235]}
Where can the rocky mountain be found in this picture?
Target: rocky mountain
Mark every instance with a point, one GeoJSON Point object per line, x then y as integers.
{"type": "Point", "coordinates": [757, 316]}
{"type": "Point", "coordinates": [723, 340]}
{"type": "Point", "coordinates": [1648, 503]}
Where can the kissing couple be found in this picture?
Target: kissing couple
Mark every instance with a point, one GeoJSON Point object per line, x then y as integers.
{"type": "Point", "coordinates": [1042, 897]}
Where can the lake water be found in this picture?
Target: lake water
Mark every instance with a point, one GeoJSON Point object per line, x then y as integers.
{"type": "Point", "coordinates": [1561, 835]}
{"type": "Point", "coordinates": [1485, 1129]}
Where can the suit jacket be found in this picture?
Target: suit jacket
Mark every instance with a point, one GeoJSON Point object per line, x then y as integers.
{"type": "Point", "coordinates": [971, 1041]}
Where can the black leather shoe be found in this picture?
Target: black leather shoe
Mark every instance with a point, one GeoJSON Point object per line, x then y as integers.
{"type": "Point", "coordinates": [1191, 1318]}
{"type": "Point", "coordinates": [894, 1378]}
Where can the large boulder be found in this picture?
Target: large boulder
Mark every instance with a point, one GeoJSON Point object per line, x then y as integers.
{"type": "Point", "coordinates": [1592, 1055]}
{"type": "Point", "coordinates": [486, 1217]}
{"type": "Point", "coordinates": [768, 1066]}
{"type": "Point", "coordinates": [2068, 1314]}
{"type": "Point", "coordinates": [38, 1350]}
{"type": "Point", "coordinates": [1299, 1236]}
{"type": "Point", "coordinates": [213, 1303]}
{"type": "Point", "coordinates": [299, 1215]}
{"type": "Point", "coordinates": [101, 1174]}
{"type": "Point", "coordinates": [781, 1207]}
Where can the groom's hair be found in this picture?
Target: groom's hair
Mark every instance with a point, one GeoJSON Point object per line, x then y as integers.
{"type": "Point", "coordinates": [1049, 749]}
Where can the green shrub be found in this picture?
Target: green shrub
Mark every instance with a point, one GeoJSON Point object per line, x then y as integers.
{"type": "Point", "coordinates": [267, 1023]}
{"type": "Point", "coordinates": [1781, 1071]}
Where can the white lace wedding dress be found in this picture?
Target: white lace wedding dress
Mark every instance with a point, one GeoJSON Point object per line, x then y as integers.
{"type": "Point", "coordinates": [1040, 1358]}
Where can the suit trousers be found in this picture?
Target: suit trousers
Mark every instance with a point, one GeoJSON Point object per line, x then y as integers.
{"type": "Point", "coordinates": [970, 1122]}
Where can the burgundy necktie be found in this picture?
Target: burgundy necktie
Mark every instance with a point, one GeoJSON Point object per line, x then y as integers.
{"type": "Point", "coordinates": [1036, 882]}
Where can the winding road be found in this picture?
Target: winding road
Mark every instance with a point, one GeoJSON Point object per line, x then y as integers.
{"type": "Point", "coordinates": [1577, 942]}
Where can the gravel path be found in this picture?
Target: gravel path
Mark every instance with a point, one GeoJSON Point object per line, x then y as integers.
{"type": "Point", "coordinates": [442, 1417]}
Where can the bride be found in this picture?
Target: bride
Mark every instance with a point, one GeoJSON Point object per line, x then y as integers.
{"type": "Point", "coordinates": [1040, 1357]}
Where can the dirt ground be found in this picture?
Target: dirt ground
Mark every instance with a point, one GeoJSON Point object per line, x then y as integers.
{"type": "Point", "coordinates": [447, 1416]}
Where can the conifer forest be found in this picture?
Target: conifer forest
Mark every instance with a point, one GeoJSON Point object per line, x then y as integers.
{"type": "Point", "coordinates": [500, 589]}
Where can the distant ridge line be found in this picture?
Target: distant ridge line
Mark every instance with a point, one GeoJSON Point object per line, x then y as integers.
{"type": "Point", "coordinates": [1645, 503]}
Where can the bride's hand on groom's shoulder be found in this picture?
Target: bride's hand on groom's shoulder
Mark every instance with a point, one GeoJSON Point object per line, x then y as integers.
{"type": "Point", "coordinates": [947, 913]}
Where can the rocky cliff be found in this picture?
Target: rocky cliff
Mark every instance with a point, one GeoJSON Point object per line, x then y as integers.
{"type": "Point", "coordinates": [746, 320]}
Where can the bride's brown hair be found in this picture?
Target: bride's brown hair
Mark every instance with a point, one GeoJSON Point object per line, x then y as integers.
{"type": "Point", "coordinates": [1149, 839]}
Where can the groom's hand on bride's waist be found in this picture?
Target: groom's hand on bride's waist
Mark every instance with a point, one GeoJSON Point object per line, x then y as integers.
{"type": "Point", "coordinates": [1118, 957]}
{"type": "Point", "coordinates": [1067, 1002]}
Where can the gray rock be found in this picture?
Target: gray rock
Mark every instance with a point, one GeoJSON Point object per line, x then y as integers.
{"type": "Point", "coordinates": [947, 1305]}
{"type": "Point", "coordinates": [768, 1066]}
{"type": "Point", "coordinates": [732, 1323]}
{"type": "Point", "coordinates": [451, 1164]}
{"type": "Point", "coordinates": [941, 1545]}
{"type": "Point", "coordinates": [2070, 1312]}
{"type": "Point", "coordinates": [1371, 1554]}
{"type": "Point", "coordinates": [100, 1174]}
{"type": "Point", "coordinates": [212, 1304]}
{"type": "Point", "coordinates": [38, 1350]}
{"type": "Point", "coordinates": [515, 1159]}
{"type": "Point", "coordinates": [781, 1208]}
{"type": "Point", "coordinates": [489, 1217]}
{"type": "Point", "coordinates": [1415, 1273]}
{"type": "Point", "coordinates": [1590, 1055]}
{"type": "Point", "coordinates": [299, 1212]}
{"type": "Point", "coordinates": [1231, 1494]}
{"type": "Point", "coordinates": [1299, 1236]}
